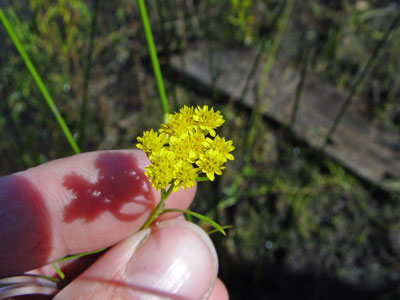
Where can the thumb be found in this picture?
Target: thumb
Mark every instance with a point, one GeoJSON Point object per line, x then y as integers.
{"type": "Point", "coordinates": [175, 259]}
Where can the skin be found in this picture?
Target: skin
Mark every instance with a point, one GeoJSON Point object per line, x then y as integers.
{"type": "Point", "coordinates": [97, 200]}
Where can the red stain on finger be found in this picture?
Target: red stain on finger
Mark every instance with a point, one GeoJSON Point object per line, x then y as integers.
{"type": "Point", "coordinates": [121, 189]}
{"type": "Point", "coordinates": [25, 235]}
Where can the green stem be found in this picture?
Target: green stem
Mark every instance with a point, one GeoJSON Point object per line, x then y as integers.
{"type": "Point", "coordinates": [159, 209]}
{"type": "Point", "coordinates": [199, 216]}
{"type": "Point", "coordinates": [306, 63]}
{"type": "Point", "coordinates": [169, 191]}
{"type": "Point", "coordinates": [198, 179]}
{"type": "Point", "coordinates": [49, 278]}
{"type": "Point", "coordinates": [80, 255]}
{"type": "Point", "coordinates": [216, 230]}
{"type": "Point", "coordinates": [31, 68]}
{"type": "Point", "coordinates": [154, 58]}
{"type": "Point", "coordinates": [58, 270]}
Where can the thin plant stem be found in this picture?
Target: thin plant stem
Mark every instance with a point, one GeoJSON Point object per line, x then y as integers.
{"type": "Point", "coordinates": [263, 47]}
{"type": "Point", "coordinates": [270, 59]}
{"type": "Point", "coordinates": [216, 230]}
{"type": "Point", "coordinates": [58, 270]}
{"type": "Point", "coordinates": [359, 79]}
{"type": "Point", "coordinates": [159, 208]}
{"type": "Point", "coordinates": [153, 57]}
{"type": "Point", "coordinates": [299, 88]}
{"type": "Point", "coordinates": [281, 27]}
{"type": "Point", "coordinates": [199, 216]}
{"type": "Point", "coordinates": [198, 179]}
{"type": "Point", "coordinates": [88, 67]}
{"type": "Point", "coordinates": [80, 255]}
{"type": "Point", "coordinates": [31, 68]}
{"type": "Point", "coordinates": [49, 278]}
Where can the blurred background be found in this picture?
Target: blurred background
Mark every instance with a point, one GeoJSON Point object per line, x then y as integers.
{"type": "Point", "coordinates": [310, 92]}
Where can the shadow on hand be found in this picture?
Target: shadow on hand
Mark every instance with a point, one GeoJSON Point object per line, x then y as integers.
{"type": "Point", "coordinates": [25, 238]}
{"type": "Point", "coordinates": [121, 188]}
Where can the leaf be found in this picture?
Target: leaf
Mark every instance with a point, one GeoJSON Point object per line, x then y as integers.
{"type": "Point", "coordinates": [199, 216]}
{"type": "Point", "coordinates": [80, 255]}
{"type": "Point", "coordinates": [215, 230]}
{"type": "Point", "coordinates": [58, 270]}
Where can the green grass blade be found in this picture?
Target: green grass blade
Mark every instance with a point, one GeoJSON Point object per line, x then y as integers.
{"type": "Point", "coordinates": [273, 49]}
{"type": "Point", "coordinates": [31, 68]}
{"type": "Point", "coordinates": [215, 230]}
{"type": "Point", "coordinates": [80, 255]}
{"type": "Point", "coordinates": [58, 270]}
{"type": "Point", "coordinates": [49, 278]}
{"type": "Point", "coordinates": [199, 179]}
{"type": "Point", "coordinates": [299, 89]}
{"type": "Point", "coordinates": [153, 58]}
{"type": "Point", "coordinates": [359, 79]}
{"type": "Point", "coordinates": [199, 216]}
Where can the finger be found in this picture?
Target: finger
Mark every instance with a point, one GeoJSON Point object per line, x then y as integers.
{"type": "Point", "coordinates": [73, 205]}
{"type": "Point", "coordinates": [175, 260]}
{"type": "Point", "coordinates": [219, 291]}
{"type": "Point", "coordinates": [71, 268]}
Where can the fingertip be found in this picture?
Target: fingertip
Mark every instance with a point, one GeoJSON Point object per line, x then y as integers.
{"type": "Point", "coordinates": [174, 259]}
{"type": "Point", "coordinates": [94, 199]}
{"type": "Point", "coordinates": [75, 204]}
{"type": "Point", "coordinates": [219, 292]}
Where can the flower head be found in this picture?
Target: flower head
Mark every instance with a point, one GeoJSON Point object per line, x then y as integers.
{"type": "Point", "coordinates": [185, 175]}
{"type": "Point", "coordinates": [186, 146]}
{"type": "Point", "coordinates": [208, 119]}
{"type": "Point", "coordinates": [151, 141]}
{"type": "Point", "coordinates": [161, 171]}
{"type": "Point", "coordinates": [220, 145]}
{"type": "Point", "coordinates": [211, 163]}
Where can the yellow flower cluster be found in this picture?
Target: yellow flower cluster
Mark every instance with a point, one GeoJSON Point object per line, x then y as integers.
{"type": "Point", "coordinates": [184, 147]}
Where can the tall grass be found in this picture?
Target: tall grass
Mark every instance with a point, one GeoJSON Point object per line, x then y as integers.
{"type": "Point", "coordinates": [39, 82]}
{"type": "Point", "coordinates": [298, 195]}
{"type": "Point", "coordinates": [360, 78]}
{"type": "Point", "coordinates": [154, 59]}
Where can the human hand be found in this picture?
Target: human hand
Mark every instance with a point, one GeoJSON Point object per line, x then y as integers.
{"type": "Point", "coordinates": [96, 200]}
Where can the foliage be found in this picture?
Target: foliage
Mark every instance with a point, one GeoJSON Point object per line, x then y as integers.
{"type": "Point", "coordinates": [291, 208]}
{"type": "Point", "coordinates": [243, 19]}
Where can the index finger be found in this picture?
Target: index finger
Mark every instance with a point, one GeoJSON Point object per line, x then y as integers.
{"type": "Point", "coordinates": [73, 205]}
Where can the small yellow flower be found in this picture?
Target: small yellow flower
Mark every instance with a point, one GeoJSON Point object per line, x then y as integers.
{"type": "Point", "coordinates": [211, 163]}
{"type": "Point", "coordinates": [185, 176]}
{"type": "Point", "coordinates": [220, 145]}
{"type": "Point", "coordinates": [185, 116]}
{"type": "Point", "coordinates": [174, 127]}
{"type": "Point", "coordinates": [161, 171]}
{"type": "Point", "coordinates": [159, 175]}
{"type": "Point", "coordinates": [180, 124]}
{"type": "Point", "coordinates": [180, 147]}
{"type": "Point", "coordinates": [208, 119]}
{"type": "Point", "coordinates": [182, 144]}
{"type": "Point", "coordinates": [151, 141]}
{"type": "Point", "coordinates": [195, 144]}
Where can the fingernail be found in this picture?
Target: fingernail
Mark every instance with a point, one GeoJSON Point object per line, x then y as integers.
{"type": "Point", "coordinates": [176, 261]}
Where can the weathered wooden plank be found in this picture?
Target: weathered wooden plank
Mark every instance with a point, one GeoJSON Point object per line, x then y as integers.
{"type": "Point", "coordinates": [370, 152]}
